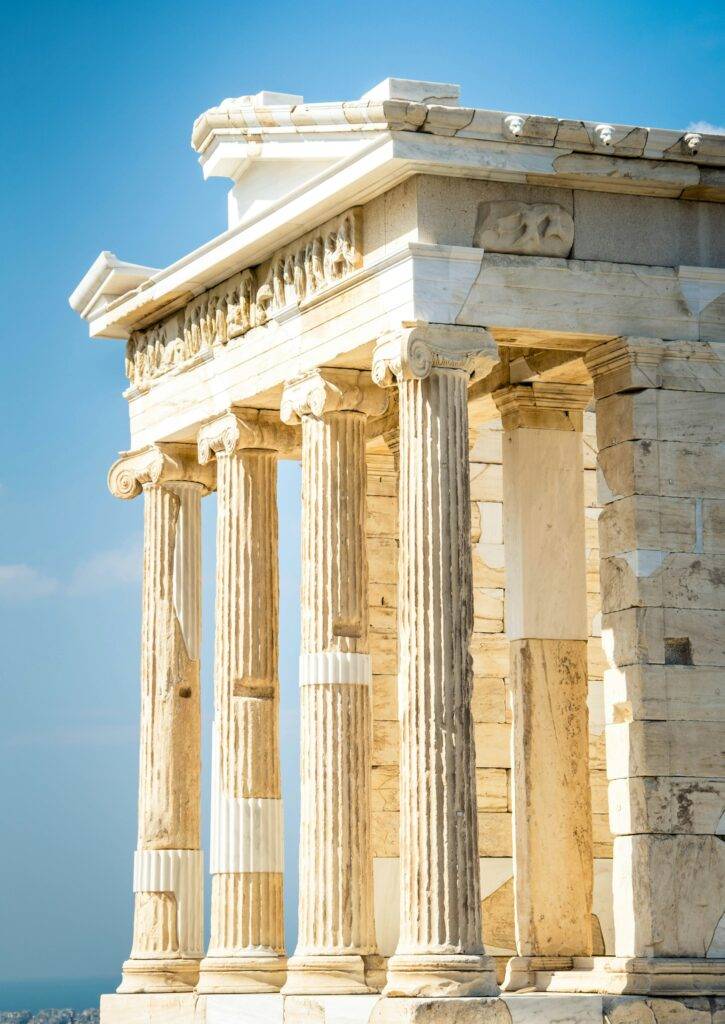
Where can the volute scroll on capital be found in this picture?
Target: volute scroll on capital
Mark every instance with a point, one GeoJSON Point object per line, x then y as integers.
{"type": "Point", "coordinates": [243, 428]}
{"type": "Point", "coordinates": [413, 352]}
{"type": "Point", "coordinates": [329, 390]}
{"type": "Point", "coordinates": [163, 463]}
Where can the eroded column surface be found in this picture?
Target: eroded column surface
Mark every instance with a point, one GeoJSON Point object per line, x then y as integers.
{"type": "Point", "coordinates": [168, 863]}
{"type": "Point", "coordinates": [246, 947]}
{"type": "Point", "coordinates": [660, 408]}
{"type": "Point", "coordinates": [440, 951]}
{"type": "Point", "coordinates": [546, 623]}
{"type": "Point", "coordinates": [336, 943]}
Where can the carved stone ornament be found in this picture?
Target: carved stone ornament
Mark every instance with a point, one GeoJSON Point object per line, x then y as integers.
{"type": "Point", "coordinates": [157, 464]}
{"type": "Point", "coordinates": [245, 428]}
{"type": "Point", "coordinates": [301, 270]}
{"type": "Point", "coordinates": [411, 353]}
{"type": "Point", "coordinates": [331, 390]}
{"type": "Point", "coordinates": [537, 229]}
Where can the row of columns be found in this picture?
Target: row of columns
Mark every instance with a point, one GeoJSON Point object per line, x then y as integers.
{"type": "Point", "coordinates": [440, 951]}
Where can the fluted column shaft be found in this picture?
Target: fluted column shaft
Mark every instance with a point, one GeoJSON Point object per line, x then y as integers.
{"type": "Point", "coordinates": [246, 948]}
{"type": "Point", "coordinates": [336, 925]}
{"type": "Point", "coordinates": [440, 951]}
{"type": "Point", "coordinates": [546, 623]}
{"type": "Point", "coordinates": [168, 864]}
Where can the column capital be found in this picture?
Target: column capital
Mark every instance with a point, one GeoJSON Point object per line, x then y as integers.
{"type": "Point", "coordinates": [329, 389]}
{"type": "Point", "coordinates": [412, 352]}
{"type": "Point", "coordinates": [543, 405]}
{"type": "Point", "coordinates": [163, 463]}
{"type": "Point", "coordinates": [240, 428]}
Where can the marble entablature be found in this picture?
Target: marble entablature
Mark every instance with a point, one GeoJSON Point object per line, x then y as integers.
{"type": "Point", "coordinates": [296, 273]}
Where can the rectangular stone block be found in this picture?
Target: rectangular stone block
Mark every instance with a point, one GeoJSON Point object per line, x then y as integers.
{"type": "Point", "coordinates": [634, 636]}
{"type": "Point", "coordinates": [386, 743]}
{"type": "Point", "coordinates": [493, 745]}
{"type": "Point", "coordinates": [492, 789]}
{"type": "Point", "coordinates": [713, 526]}
{"type": "Point", "coordinates": [489, 699]}
{"type": "Point", "coordinates": [703, 630]}
{"type": "Point", "coordinates": [385, 788]}
{"type": "Point", "coordinates": [382, 619]}
{"type": "Point", "coordinates": [385, 698]}
{"type": "Point", "coordinates": [640, 578]}
{"type": "Point", "coordinates": [490, 655]}
{"type": "Point", "coordinates": [494, 834]}
{"type": "Point", "coordinates": [156, 1008]}
{"type": "Point", "coordinates": [385, 833]}
{"type": "Point", "coordinates": [599, 788]}
{"type": "Point", "coordinates": [693, 749]}
{"type": "Point", "coordinates": [667, 805]}
{"type": "Point", "coordinates": [487, 443]}
{"type": "Point", "coordinates": [652, 363]}
{"type": "Point", "coordinates": [382, 516]}
{"type": "Point", "coordinates": [384, 653]}
{"type": "Point", "coordinates": [661, 467]}
{"type": "Point", "coordinates": [382, 485]}
{"type": "Point", "coordinates": [664, 692]}
{"type": "Point", "coordinates": [486, 482]}
{"type": "Point", "coordinates": [648, 522]}
{"type": "Point", "coordinates": [669, 895]}
{"type": "Point", "coordinates": [488, 566]}
{"type": "Point", "coordinates": [383, 560]}
{"type": "Point", "coordinates": [661, 415]}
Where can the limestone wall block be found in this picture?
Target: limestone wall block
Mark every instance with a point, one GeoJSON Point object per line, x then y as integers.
{"type": "Point", "coordinates": [596, 658]}
{"type": "Point", "coordinates": [664, 692]}
{"type": "Point", "coordinates": [384, 653]}
{"type": "Point", "coordinates": [495, 837]}
{"type": "Point", "coordinates": [599, 788]}
{"type": "Point", "coordinates": [694, 749]}
{"type": "Point", "coordinates": [383, 560]}
{"type": "Point", "coordinates": [488, 566]}
{"type": "Point", "coordinates": [386, 743]}
{"type": "Point", "coordinates": [661, 467]}
{"type": "Point", "coordinates": [667, 805]}
{"type": "Point", "coordinates": [650, 522]}
{"type": "Point", "coordinates": [385, 698]}
{"type": "Point", "coordinates": [486, 481]}
{"type": "Point", "coordinates": [672, 365]}
{"type": "Point", "coordinates": [661, 415]}
{"type": "Point", "coordinates": [713, 526]}
{"type": "Point", "coordinates": [679, 580]}
{"type": "Point", "coordinates": [669, 894]}
{"type": "Point", "coordinates": [385, 788]}
{"type": "Point", "coordinates": [385, 833]}
{"type": "Point", "coordinates": [489, 699]}
{"type": "Point", "coordinates": [382, 516]}
{"type": "Point", "coordinates": [704, 631]}
{"type": "Point", "coordinates": [382, 619]}
{"type": "Point", "coordinates": [490, 655]}
{"type": "Point", "coordinates": [487, 444]}
{"type": "Point", "coordinates": [493, 745]}
{"type": "Point", "coordinates": [492, 789]}
{"type": "Point", "coordinates": [634, 636]}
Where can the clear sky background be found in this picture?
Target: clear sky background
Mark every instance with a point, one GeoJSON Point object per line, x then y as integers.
{"type": "Point", "coordinates": [98, 100]}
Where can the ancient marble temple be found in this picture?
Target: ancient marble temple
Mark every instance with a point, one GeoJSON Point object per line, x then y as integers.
{"type": "Point", "coordinates": [496, 344]}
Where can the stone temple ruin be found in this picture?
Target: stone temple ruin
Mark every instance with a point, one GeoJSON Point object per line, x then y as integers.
{"type": "Point", "coordinates": [496, 342]}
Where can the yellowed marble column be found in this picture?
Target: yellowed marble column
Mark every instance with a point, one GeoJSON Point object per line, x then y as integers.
{"type": "Point", "coordinates": [168, 864]}
{"type": "Point", "coordinates": [246, 948]}
{"type": "Point", "coordinates": [336, 927]}
{"type": "Point", "coordinates": [440, 952]}
{"type": "Point", "coordinates": [546, 623]}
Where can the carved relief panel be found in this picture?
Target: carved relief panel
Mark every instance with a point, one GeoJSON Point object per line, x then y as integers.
{"type": "Point", "coordinates": [530, 229]}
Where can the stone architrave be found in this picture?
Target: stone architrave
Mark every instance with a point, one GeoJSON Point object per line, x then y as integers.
{"type": "Point", "coordinates": [336, 950]}
{"type": "Point", "coordinates": [168, 863]}
{"type": "Point", "coordinates": [246, 948]}
{"type": "Point", "coordinates": [440, 950]}
{"type": "Point", "coordinates": [546, 623]}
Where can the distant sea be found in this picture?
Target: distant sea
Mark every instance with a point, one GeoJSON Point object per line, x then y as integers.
{"type": "Point", "coordinates": [55, 993]}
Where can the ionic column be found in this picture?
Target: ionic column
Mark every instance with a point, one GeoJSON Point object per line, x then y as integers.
{"type": "Point", "coordinates": [440, 952]}
{"type": "Point", "coordinates": [546, 623]}
{"type": "Point", "coordinates": [246, 948]}
{"type": "Point", "coordinates": [168, 864]}
{"type": "Point", "coordinates": [336, 926]}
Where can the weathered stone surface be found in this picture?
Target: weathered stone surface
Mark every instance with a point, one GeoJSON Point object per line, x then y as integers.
{"type": "Point", "coordinates": [441, 1011]}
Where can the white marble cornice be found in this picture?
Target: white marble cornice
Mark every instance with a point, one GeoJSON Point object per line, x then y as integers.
{"type": "Point", "coordinates": [329, 390]}
{"type": "Point", "coordinates": [157, 464]}
{"type": "Point", "coordinates": [413, 351]}
{"type": "Point", "coordinates": [245, 428]}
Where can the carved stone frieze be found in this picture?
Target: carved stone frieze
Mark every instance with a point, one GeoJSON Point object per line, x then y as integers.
{"type": "Point", "coordinates": [249, 299]}
{"type": "Point", "coordinates": [529, 229]}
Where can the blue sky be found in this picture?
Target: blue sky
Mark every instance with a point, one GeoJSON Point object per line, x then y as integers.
{"type": "Point", "coordinates": [98, 104]}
